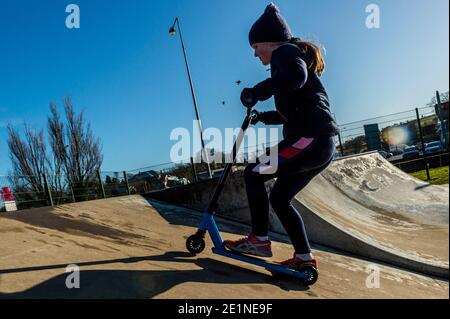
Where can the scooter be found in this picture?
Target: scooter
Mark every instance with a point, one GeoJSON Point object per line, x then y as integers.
{"type": "Point", "coordinates": [195, 244]}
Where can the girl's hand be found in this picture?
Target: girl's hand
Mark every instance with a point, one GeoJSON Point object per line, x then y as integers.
{"type": "Point", "coordinates": [248, 98]}
{"type": "Point", "coordinates": [256, 117]}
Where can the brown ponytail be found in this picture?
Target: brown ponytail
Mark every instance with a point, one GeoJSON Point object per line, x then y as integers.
{"type": "Point", "coordinates": [312, 55]}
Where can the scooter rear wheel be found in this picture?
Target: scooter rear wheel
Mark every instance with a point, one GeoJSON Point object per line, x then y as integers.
{"type": "Point", "coordinates": [195, 244]}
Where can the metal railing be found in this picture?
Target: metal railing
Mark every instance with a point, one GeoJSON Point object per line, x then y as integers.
{"type": "Point", "coordinates": [399, 133]}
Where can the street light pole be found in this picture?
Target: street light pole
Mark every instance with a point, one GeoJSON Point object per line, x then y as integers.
{"type": "Point", "coordinates": [172, 32]}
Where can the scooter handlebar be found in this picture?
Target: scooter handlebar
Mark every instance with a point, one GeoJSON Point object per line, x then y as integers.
{"type": "Point", "coordinates": [253, 114]}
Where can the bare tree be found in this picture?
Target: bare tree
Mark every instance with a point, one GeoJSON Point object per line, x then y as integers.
{"type": "Point", "coordinates": [443, 96]}
{"type": "Point", "coordinates": [57, 144]}
{"type": "Point", "coordinates": [28, 157]}
{"type": "Point", "coordinates": [77, 153]}
{"type": "Point", "coordinates": [76, 157]}
{"type": "Point", "coordinates": [355, 145]}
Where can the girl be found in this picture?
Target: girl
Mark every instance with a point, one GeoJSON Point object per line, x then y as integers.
{"type": "Point", "coordinates": [307, 147]}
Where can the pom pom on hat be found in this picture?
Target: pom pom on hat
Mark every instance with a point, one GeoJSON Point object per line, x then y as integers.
{"type": "Point", "coordinates": [270, 27]}
{"type": "Point", "coordinates": [271, 7]}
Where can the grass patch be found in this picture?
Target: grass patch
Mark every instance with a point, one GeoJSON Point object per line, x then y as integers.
{"type": "Point", "coordinates": [438, 175]}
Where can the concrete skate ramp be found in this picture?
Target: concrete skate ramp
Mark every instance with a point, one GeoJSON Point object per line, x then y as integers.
{"type": "Point", "coordinates": [365, 205]}
{"type": "Point", "coordinates": [128, 247]}
{"type": "Point", "coordinates": [360, 204]}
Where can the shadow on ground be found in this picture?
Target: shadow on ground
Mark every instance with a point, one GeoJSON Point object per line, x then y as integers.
{"type": "Point", "coordinates": [184, 216]}
{"type": "Point", "coordinates": [422, 187]}
{"type": "Point", "coordinates": [139, 284]}
{"type": "Point", "coordinates": [176, 215]}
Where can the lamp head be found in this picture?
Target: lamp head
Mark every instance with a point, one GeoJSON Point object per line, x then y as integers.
{"type": "Point", "coordinates": [172, 31]}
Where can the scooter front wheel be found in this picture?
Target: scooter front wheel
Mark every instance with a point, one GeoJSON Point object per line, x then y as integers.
{"type": "Point", "coordinates": [195, 244]}
{"type": "Point", "coordinates": [311, 275]}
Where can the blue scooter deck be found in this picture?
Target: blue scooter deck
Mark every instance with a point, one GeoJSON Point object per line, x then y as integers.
{"type": "Point", "coordinates": [260, 262]}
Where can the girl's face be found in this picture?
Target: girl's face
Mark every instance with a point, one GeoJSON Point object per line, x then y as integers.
{"type": "Point", "coordinates": [263, 50]}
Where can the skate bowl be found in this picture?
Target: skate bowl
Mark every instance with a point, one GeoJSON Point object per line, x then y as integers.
{"type": "Point", "coordinates": [360, 204]}
{"type": "Point", "coordinates": [367, 206]}
{"type": "Point", "coordinates": [130, 247]}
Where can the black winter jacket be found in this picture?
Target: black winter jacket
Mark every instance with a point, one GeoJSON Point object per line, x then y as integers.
{"type": "Point", "coordinates": [301, 101]}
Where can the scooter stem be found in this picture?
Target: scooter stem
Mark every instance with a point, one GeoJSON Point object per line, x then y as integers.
{"type": "Point", "coordinates": [251, 115]}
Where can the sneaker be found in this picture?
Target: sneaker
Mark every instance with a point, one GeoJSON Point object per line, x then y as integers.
{"type": "Point", "coordinates": [250, 245]}
{"type": "Point", "coordinates": [296, 263]}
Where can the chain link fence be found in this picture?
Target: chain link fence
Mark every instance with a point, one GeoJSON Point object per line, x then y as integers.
{"type": "Point", "coordinates": [392, 133]}
{"type": "Point", "coordinates": [23, 191]}
{"type": "Point", "coordinates": [49, 190]}
{"type": "Point", "coordinates": [411, 140]}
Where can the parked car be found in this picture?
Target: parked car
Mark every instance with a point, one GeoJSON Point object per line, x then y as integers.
{"type": "Point", "coordinates": [151, 174]}
{"type": "Point", "coordinates": [434, 147]}
{"type": "Point", "coordinates": [410, 152]}
{"type": "Point", "coordinates": [385, 154]}
{"type": "Point", "coordinates": [397, 152]}
{"type": "Point", "coordinates": [175, 181]}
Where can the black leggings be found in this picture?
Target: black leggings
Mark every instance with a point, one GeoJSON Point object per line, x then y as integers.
{"type": "Point", "coordinates": [299, 160]}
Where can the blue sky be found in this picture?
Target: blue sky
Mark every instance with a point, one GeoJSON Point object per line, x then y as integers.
{"type": "Point", "coordinates": [127, 75]}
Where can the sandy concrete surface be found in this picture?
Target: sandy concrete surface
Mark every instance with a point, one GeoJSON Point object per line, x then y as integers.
{"type": "Point", "coordinates": [128, 247]}
{"type": "Point", "coordinates": [360, 204]}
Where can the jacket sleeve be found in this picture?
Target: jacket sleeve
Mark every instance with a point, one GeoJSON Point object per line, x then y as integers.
{"type": "Point", "coordinates": [271, 118]}
{"type": "Point", "coordinates": [290, 73]}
